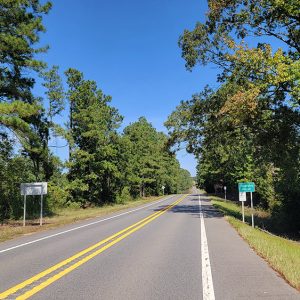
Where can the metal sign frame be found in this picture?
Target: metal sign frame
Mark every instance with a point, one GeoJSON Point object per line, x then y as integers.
{"type": "Point", "coordinates": [32, 189]}
{"type": "Point", "coordinates": [247, 187]}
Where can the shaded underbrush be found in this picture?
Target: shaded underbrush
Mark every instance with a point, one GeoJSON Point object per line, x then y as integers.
{"type": "Point", "coordinates": [263, 219]}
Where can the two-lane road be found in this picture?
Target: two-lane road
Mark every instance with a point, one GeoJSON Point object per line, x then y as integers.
{"type": "Point", "coordinates": [176, 248]}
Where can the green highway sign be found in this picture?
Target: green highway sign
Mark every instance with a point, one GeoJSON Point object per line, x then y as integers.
{"type": "Point", "coordinates": [246, 187]}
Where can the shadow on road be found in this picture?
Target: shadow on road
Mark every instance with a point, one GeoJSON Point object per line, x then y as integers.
{"type": "Point", "coordinates": [194, 209]}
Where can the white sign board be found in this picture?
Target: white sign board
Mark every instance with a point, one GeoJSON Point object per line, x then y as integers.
{"type": "Point", "coordinates": [225, 188]}
{"type": "Point", "coordinates": [35, 188]}
{"type": "Point", "coordinates": [163, 187]}
{"type": "Point", "coordinates": [242, 196]}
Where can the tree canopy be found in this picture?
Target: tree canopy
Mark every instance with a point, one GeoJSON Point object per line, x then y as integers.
{"type": "Point", "coordinates": [248, 128]}
{"type": "Point", "coordinates": [105, 165]}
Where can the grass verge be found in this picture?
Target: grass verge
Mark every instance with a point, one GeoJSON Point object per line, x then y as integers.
{"type": "Point", "coordinates": [283, 255]}
{"type": "Point", "coordinates": [65, 216]}
{"type": "Point", "coordinates": [230, 208]}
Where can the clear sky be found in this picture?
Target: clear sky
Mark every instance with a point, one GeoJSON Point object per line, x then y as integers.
{"type": "Point", "coordinates": [130, 48]}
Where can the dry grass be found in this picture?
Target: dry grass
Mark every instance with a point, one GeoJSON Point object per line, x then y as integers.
{"type": "Point", "coordinates": [65, 216]}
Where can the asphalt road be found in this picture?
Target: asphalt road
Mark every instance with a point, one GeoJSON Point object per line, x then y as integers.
{"type": "Point", "coordinates": [178, 248]}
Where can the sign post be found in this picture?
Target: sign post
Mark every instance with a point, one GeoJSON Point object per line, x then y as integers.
{"type": "Point", "coordinates": [242, 198]}
{"type": "Point", "coordinates": [32, 189]}
{"type": "Point", "coordinates": [24, 214]}
{"type": "Point", "coordinates": [225, 188]}
{"type": "Point", "coordinates": [252, 215]}
{"type": "Point", "coordinates": [243, 211]}
{"type": "Point", "coordinates": [245, 187]}
{"type": "Point", "coordinates": [41, 213]}
{"type": "Point", "coordinates": [163, 189]}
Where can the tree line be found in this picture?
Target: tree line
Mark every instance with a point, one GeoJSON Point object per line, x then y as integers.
{"type": "Point", "coordinates": [247, 129]}
{"type": "Point", "coordinates": [105, 164]}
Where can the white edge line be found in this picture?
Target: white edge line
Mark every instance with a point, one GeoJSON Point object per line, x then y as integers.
{"type": "Point", "coordinates": [82, 226]}
{"type": "Point", "coordinates": [207, 282]}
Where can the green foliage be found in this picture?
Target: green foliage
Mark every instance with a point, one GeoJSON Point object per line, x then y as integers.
{"type": "Point", "coordinates": [185, 181]}
{"type": "Point", "coordinates": [54, 92]}
{"type": "Point", "coordinates": [20, 23]}
{"type": "Point", "coordinates": [247, 129]}
{"type": "Point", "coordinates": [13, 171]}
{"type": "Point", "coordinates": [94, 170]}
{"type": "Point", "coordinates": [16, 169]}
{"type": "Point", "coordinates": [20, 111]}
{"type": "Point", "coordinates": [143, 159]}
{"type": "Point", "coordinates": [104, 166]}
{"type": "Point", "coordinates": [124, 196]}
{"type": "Point", "coordinates": [12, 116]}
{"type": "Point", "coordinates": [58, 193]}
{"type": "Point", "coordinates": [151, 164]}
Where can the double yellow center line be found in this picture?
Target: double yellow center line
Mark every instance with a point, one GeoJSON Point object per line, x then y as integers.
{"type": "Point", "coordinates": [78, 259]}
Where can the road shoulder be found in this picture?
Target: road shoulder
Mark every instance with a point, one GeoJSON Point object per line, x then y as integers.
{"type": "Point", "coordinates": [238, 272]}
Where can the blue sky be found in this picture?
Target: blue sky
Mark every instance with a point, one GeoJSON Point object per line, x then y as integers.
{"type": "Point", "coordinates": [130, 48]}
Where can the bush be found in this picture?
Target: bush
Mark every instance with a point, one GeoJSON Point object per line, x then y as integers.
{"type": "Point", "coordinates": [124, 196]}
{"type": "Point", "coordinates": [57, 195]}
